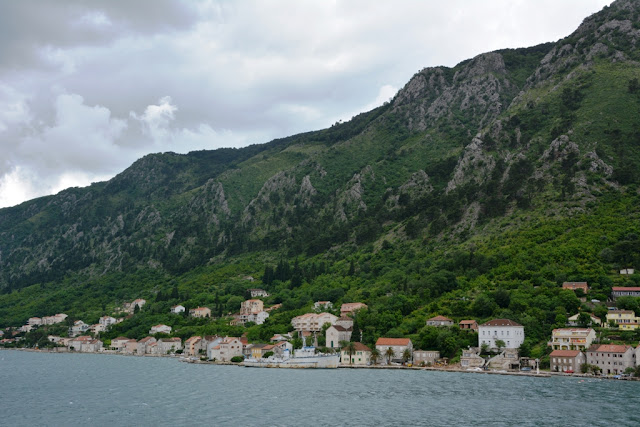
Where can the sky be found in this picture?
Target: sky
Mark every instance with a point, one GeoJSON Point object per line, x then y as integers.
{"type": "Point", "coordinates": [89, 87]}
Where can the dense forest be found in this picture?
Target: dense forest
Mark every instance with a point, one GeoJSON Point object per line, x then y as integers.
{"type": "Point", "coordinates": [474, 193]}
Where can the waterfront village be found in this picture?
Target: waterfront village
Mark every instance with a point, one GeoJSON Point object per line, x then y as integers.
{"type": "Point", "coordinates": [574, 349]}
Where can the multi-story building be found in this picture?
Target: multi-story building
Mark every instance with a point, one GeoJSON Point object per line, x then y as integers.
{"type": "Point", "coordinates": [572, 338]}
{"type": "Point", "coordinates": [350, 307]}
{"type": "Point", "coordinates": [505, 330]}
{"type": "Point", "coordinates": [425, 357]}
{"type": "Point", "coordinates": [228, 348]}
{"type": "Point", "coordinates": [610, 358]}
{"type": "Point", "coordinates": [566, 360]}
{"type": "Point", "coordinates": [359, 355]}
{"type": "Point", "coordinates": [625, 319]}
{"type": "Point", "coordinates": [313, 322]}
{"type": "Point", "coordinates": [200, 312]}
{"type": "Point", "coordinates": [623, 291]}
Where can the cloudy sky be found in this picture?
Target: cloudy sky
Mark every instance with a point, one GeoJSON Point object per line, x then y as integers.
{"type": "Point", "coordinates": [88, 87]}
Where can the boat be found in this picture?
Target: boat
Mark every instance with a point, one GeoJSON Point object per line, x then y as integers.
{"type": "Point", "coordinates": [306, 357]}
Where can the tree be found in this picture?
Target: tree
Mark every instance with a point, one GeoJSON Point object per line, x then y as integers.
{"type": "Point", "coordinates": [584, 320]}
{"type": "Point", "coordinates": [500, 344]}
{"type": "Point", "coordinates": [375, 355]}
{"type": "Point", "coordinates": [484, 348]}
{"type": "Point", "coordinates": [351, 349]}
{"type": "Point", "coordinates": [389, 353]}
{"type": "Point", "coordinates": [406, 355]}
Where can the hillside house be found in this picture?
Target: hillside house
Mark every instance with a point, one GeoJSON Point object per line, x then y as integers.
{"type": "Point", "coordinates": [336, 334]}
{"type": "Point", "coordinates": [200, 312]}
{"type": "Point", "coordinates": [164, 329]}
{"type": "Point", "coordinates": [575, 320]}
{"type": "Point", "coordinates": [572, 338]}
{"type": "Point", "coordinates": [625, 291]}
{"type": "Point", "coordinates": [624, 319]}
{"type": "Point", "coordinates": [312, 322]}
{"type": "Point", "coordinates": [469, 325]}
{"type": "Point", "coordinates": [255, 293]}
{"type": "Point", "coordinates": [177, 309]}
{"type": "Point", "coordinates": [506, 330]}
{"type": "Point", "coordinates": [439, 321]}
{"type": "Point", "coordinates": [350, 307]}
{"type": "Point", "coordinates": [575, 286]}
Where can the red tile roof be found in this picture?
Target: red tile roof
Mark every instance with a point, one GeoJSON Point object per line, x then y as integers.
{"type": "Point", "coordinates": [393, 341]}
{"type": "Point", "coordinates": [625, 288]}
{"type": "Point", "coordinates": [610, 348]}
{"type": "Point", "coordinates": [441, 318]}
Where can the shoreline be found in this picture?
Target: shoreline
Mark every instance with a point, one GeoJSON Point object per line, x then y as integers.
{"type": "Point", "coordinates": [184, 359]}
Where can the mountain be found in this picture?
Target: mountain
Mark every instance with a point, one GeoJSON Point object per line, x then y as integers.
{"type": "Point", "coordinates": [518, 166]}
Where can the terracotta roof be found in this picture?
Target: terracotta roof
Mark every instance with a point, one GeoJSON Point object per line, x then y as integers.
{"type": "Point", "coordinates": [501, 322]}
{"type": "Point", "coordinates": [572, 285]}
{"type": "Point", "coordinates": [441, 318]}
{"type": "Point", "coordinates": [564, 353]}
{"type": "Point", "coordinates": [610, 348]}
{"type": "Point", "coordinates": [624, 288]}
{"type": "Point", "coordinates": [467, 322]}
{"type": "Point", "coordinates": [359, 347]}
{"type": "Point", "coordinates": [393, 341]}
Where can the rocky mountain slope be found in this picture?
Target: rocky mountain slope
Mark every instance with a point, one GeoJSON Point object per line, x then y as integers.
{"type": "Point", "coordinates": [550, 129]}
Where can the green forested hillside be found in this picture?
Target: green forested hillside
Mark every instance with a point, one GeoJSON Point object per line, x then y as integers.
{"type": "Point", "coordinates": [474, 193]}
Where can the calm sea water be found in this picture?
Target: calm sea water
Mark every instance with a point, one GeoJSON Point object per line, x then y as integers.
{"type": "Point", "coordinates": [99, 390]}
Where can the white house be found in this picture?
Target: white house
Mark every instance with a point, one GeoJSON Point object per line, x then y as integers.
{"type": "Point", "coordinates": [258, 293]}
{"type": "Point", "coordinates": [107, 321]}
{"type": "Point", "coordinates": [160, 329]}
{"type": "Point", "coordinates": [506, 330]}
{"type": "Point", "coordinates": [177, 309]}
{"type": "Point", "coordinates": [79, 327]}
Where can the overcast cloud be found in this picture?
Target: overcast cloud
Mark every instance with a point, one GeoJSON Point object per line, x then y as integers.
{"type": "Point", "coordinates": [86, 88]}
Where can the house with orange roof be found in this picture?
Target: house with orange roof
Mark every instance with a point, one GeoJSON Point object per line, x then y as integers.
{"type": "Point", "coordinates": [193, 346]}
{"type": "Point", "coordinates": [398, 345]}
{"type": "Point", "coordinates": [143, 345]}
{"type": "Point", "coordinates": [611, 358]}
{"type": "Point", "coordinates": [568, 361]}
{"type": "Point", "coordinates": [625, 291]}
{"type": "Point", "coordinates": [350, 307]}
{"type": "Point", "coordinates": [469, 325]}
{"type": "Point", "coordinates": [576, 285]}
{"type": "Point", "coordinates": [439, 321]}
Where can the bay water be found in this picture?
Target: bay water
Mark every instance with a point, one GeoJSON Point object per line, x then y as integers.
{"type": "Point", "coordinates": [47, 389]}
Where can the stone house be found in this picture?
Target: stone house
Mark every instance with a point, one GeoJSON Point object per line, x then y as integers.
{"type": "Point", "coordinates": [425, 357]}
{"type": "Point", "coordinates": [119, 343]}
{"type": "Point", "coordinates": [576, 285]}
{"type": "Point", "coordinates": [566, 360]}
{"type": "Point", "coordinates": [439, 321]}
{"type": "Point", "coordinates": [470, 358]}
{"type": "Point", "coordinates": [398, 345]}
{"type": "Point", "coordinates": [611, 358]}
{"type": "Point", "coordinates": [193, 346]}
{"type": "Point", "coordinates": [143, 345]}
{"type": "Point", "coordinates": [336, 334]}
{"type": "Point", "coordinates": [168, 345]}
{"type": "Point", "coordinates": [228, 348]}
